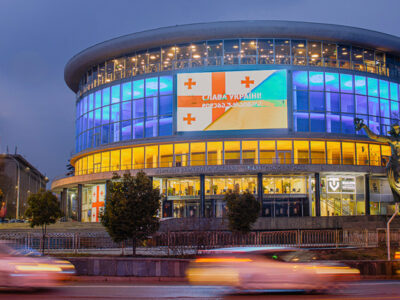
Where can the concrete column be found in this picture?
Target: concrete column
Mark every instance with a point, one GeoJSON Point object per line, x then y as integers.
{"type": "Point", "coordinates": [79, 202]}
{"type": "Point", "coordinates": [202, 196]}
{"type": "Point", "coordinates": [260, 190]}
{"type": "Point", "coordinates": [317, 195]}
{"type": "Point", "coordinates": [367, 196]}
{"type": "Point", "coordinates": [64, 202]}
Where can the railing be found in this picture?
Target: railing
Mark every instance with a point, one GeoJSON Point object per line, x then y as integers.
{"type": "Point", "coordinates": [171, 241]}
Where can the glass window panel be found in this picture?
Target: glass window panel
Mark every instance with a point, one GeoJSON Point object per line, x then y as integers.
{"type": "Point", "coordinates": [265, 51]}
{"type": "Point", "coordinates": [115, 93]}
{"type": "Point", "coordinates": [91, 119]}
{"type": "Point", "coordinates": [138, 108]}
{"type": "Point", "coordinates": [314, 53]}
{"type": "Point", "coordinates": [138, 128]}
{"type": "Point", "coordinates": [300, 80]}
{"type": "Point", "coordinates": [166, 156]}
{"type": "Point", "coordinates": [126, 110]}
{"type": "Point", "coordinates": [361, 104]}
{"type": "Point", "coordinates": [384, 89]}
{"type": "Point", "coordinates": [394, 110]}
{"type": "Point", "coordinates": [282, 51]}
{"type": "Point", "coordinates": [197, 154]}
{"type": "Point", "coordinates": [385, 110]}
{"type": "Point", "coordinates": [105, 134]}
{"type": "Point", "coordinates": [301, 152]}
{"type": "Point", "coordinates": [231, 52]}
{"type": "Point", "coordinates": [300, 100]}
{"type": "Point", "coordinates": [347, 103]}
{"type": "Point", "coordinates": [151, 87]}
{"type": "Point", "coordinates": [317, 122]}
{"type": "Point", "coordinates": [301, 122]}
{"type": "Point", "coordinates": [372, 87]}
{"type": "Point", "coordinates": [115, 115]}
{"type": "Point", "coordinates": [299, 52]}
{"type": "Point", "coordinates": [344, 56]}
{"type": "Point", "coordinates": [250, 152]}
{"type": "Point", "coordinates": [181, 155]}
{"type": "Point", "coordinates": [357, 55]}
{"type": "Point", "coordinates": [106, 115]}
{"type": "Point", "coordinates": [332, 82]}
{"type": "Point", "coordinates": [126, 130]}
{"type": "Point", "coordinates": [248, 51]}
{"type": "Point", "coordinates": [361, 85]}
{"type": "Point", "coordinates": [346, 83]}
{"type": "Point", "coordinates": [115, 160]}
{"type": "Point", "coordinates": [317, 152]}
{"type": "Point", "coordinates": [165, 105]}
{"type": "Point", "coordinates": [85, 105]}
{"type": "Point", "coordinates": [114, 132]}
{"type": "Point", "coordinates": [333, 123]}
{"type": "Point", "coordinates": [332, 102]}
{"type": "Point", "coordinates": [348, 124]}
{"type": "Point", "coordinates": [232, 153]}
{"type": "Point", "coordinates": [386, 153]}
{"type": "Point", "coordinates": [151, 156]}
{"type": "Point", "coordinates": [373, 106]}
{"type": "Point", "coordinates": [138, 157]}
{"type": "Point", "coordinates": [151, 127]}
{"type": "Point", "coordinates": [138, 89]}
{"type": "Point", "coordinates": [166, 85]}
{"type": "Point", "coordinates": [316, 81]}
{"type": "Point", "coordinates": [267, 152]}
{"type": "Point", "coordinates": [284, 152]}
{"type": "Point", "coordinates": [168, 56]}
{"type": "Point", "coordinates": [348, 151]}
{"type": "Point", "coordinates": [375, 155]}
{"type": "Point", "coordinates": [90, 164]}
{"type": "Point", "coordinates": [126, 159]}
{"type": "Point", "coordinates": [394, 92]}
{"type": "Point", "coordinates": [165, 126]}
{"type": "Point", "coordinates": [334, 153]}
{"type": "Point", "coordinates": [374, 124]}
{"type": "Point", "coordinates": [151, 106]}
{"type": "Point", "coordinates": [214, 153]}
{"type": "Point", "coordinates": [91, 104]}
{"type": "Point", "coordinates": [98, 99]}
{"type": "Point", "coordinates": [199, 53]}
{"type": "Point", "coordinates": [84, 165]}
{"type": "Point", "coordinates": [317, 101]}
{"type": "Point", "coordinates": [330, 54]}
{"type": "Point", "coordinates": [214, 48]}
{"type": "Point", "coordinates": [127, 91]}
{"type": "Point", "coordinates": [362, 154]}
{"type": "Point", "coordinates": [106, 96]}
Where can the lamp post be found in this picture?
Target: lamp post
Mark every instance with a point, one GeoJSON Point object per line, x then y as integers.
{"type": "Point", "coordinates": [18, 185]}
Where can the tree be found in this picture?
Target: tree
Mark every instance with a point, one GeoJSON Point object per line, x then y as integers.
{"type": "Point", "coordinates": [131, 209]}
{"type": "Point", "coordinates": [43, 209]}
{"type": "Point", "coordinates": [243, 211]}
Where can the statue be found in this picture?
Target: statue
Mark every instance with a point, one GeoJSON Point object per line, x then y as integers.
{"type": "Point", "coordinates": [393, 166]}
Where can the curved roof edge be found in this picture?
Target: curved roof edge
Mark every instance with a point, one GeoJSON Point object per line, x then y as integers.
{"type": "Point", "coordinates": [78, 64]}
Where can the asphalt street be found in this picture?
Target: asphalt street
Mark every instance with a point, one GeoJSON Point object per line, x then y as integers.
{"type": "Point", "coordinates": [355, 291]}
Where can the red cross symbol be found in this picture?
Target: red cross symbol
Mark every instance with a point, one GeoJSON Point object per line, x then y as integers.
{"type": "Point", "coordinates": [97, 204]}
{"type": "Point", "coordinates": [189, 119]}
{"type": "Point", "coordinates": [189, 83]}
{"type": "Point", "coordinates": [247, 81]}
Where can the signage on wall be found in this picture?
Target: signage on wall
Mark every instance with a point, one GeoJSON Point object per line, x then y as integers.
{"type": "Point", "coordinates": [98, 199]}
{"type": "Point", "coordinates": [235, 100]}
{"type": "Point", "coordinates": [341, 184]}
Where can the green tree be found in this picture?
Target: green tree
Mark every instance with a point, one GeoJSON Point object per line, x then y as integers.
{"type": "Point", "coordinates": [131, 209]}
{"type": "Point", "coordinates": [43, 209]}
{"type": "Point", "coordinates": [243, 211]}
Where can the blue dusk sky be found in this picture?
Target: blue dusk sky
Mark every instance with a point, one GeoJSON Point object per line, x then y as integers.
{"type": "Point", "coordinates": [38, 37]}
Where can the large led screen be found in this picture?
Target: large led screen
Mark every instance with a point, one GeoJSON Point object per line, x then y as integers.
{"type": "Point", "coordinates": [232, 100]}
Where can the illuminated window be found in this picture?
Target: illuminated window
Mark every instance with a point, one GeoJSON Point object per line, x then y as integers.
{"type": "Point", "coordinates": [115, 93]}
{"type": "Point", "coordinates": [301, 152]}
{"type": "Point", "coordinates": [386, 153]}
{"type": "Point", "coordinates": [197, 154]}
{"type": "Point", "coordinates": [334, 153]}
{"type": "Point", "coordinates": [84, 166]}
{"type": "Point", "coordinates": [316, 81]}
{"type": "Point", "coordinates": [284, 152]}
{"type": "Point", "coordinates": [361, 85]}
{"type": "Point", "coordinates": [90, 164]}
{"type": "Point", "coordinates": [126, 159]}
{"type": "Point", "coordinates": [151, 156]}
{"type": "Point", "coordinates": [346, 83]}
{"type": "Point", "coordinates": [97, 162]}
{"type": "Point", "coordinates": [372, 87]}
{"type": "Point", "coordinates": [78, 167]}
{"type": "Point", "coordinates": [232, 153]}
{"type": "Point", "coordinates": [127, 91]}
{"type": "Point", "coordinates": [348, 153]}
{"type": "Point", "coordinates": [105, 161]}
{"type": "Point", "coordinates": [166, 156]}
{"type": "Point", "coordinates": [374, 154]}
{"type": "Point", "coordinates": [181, 155]}
{"type": "Point", "coordinates": [317, 152]}
{"type": "Point", "coordinates": [250, 152]}
{"type": "Point", "coordinates": [332, 82]}
{"type": "Point", "coordinates": [383, 89]}
{"type": "Point", "coordinates": [300, 80]}
{"type": "Point", "coordinates": [214, 153]}
{"type": "Point", "coordinates": [166, 85]}
{"type": "Point", "coordinates": [151, 87]}
{"type": "Point", "coordinates": [115, 160]}
{"type": "Point", "coordinates": [267, 152]}
{"type": "Point", "coordinates": [138, 89]}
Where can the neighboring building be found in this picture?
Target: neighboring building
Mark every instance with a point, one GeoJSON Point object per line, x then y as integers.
{"type": "Point", "coordinates": [259, 106]}
{"type": "Point", "coordinates": [18, 179]}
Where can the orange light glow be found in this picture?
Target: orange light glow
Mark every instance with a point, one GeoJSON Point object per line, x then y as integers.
{"type": "Point", "coordinates": [222, 260]}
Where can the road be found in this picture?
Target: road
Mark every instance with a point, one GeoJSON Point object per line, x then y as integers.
{"type": "Point", "coordinates": [356, 291]}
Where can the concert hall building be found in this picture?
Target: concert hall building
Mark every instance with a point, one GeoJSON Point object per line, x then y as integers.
{"type": "Point", "coordinates": [260, 106]}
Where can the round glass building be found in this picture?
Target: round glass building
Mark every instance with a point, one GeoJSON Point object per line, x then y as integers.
{"type": "Point", "coordinates": [259, 106]}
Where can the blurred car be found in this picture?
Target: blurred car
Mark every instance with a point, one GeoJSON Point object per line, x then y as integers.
{"type": "Point", "coordinates": [26, 268]}
{"type": "Point", "coordinates": [268, 268]}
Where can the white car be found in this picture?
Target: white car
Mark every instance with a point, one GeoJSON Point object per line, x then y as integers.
{"type": "Point", "coordinates": [268, 268]}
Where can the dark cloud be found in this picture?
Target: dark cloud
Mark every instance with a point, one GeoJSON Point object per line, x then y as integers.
{"type": "Point", "coordinates": [38, 37]}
